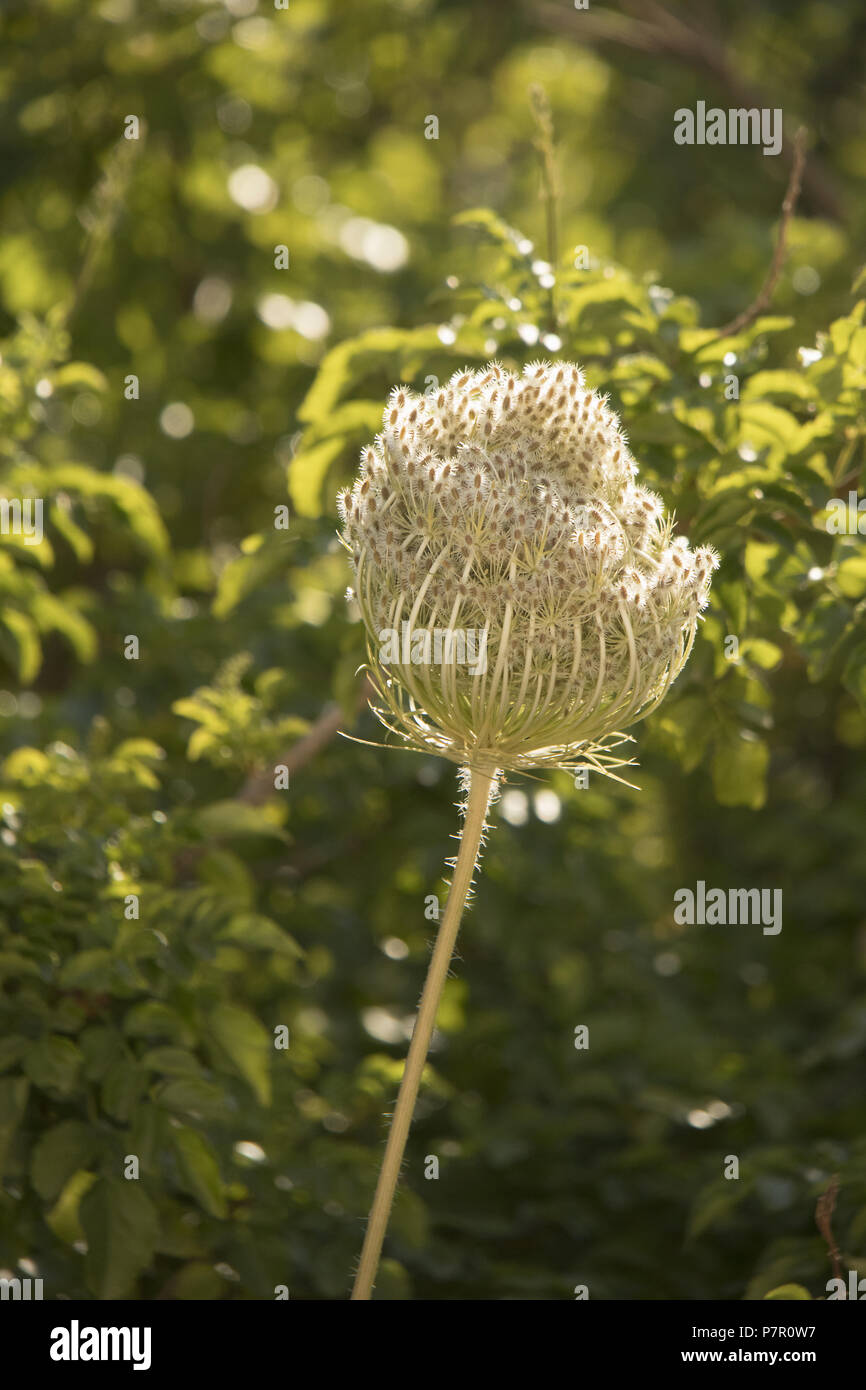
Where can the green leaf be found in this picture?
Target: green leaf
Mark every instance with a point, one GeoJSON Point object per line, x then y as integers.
{"type": "Point", "coordinates": [790, 1293]}
{"type": "Point", "coordinates": [251, 929]}
{"type": "Point", "coordinates": [245, 1041]}
{"type": "Point", "coordinates": [14, 1091]}
{"type": "Point", "coordinates": [356, 421]}
{"type": "Point", "coordinates": [60, 1152]}
{"type": "Point", "coordinates": [196, 1098]}
{"type": "Point", "coordinates": [822, 632]}
{"type": "Point", "coordinates": [716, 349]}
{"type": "Point", "coordinates": [714, 1204]}
{"type": "Point", "coordinates": [229, 876]}
{"type": "Point", "coordinates": [392, 1282]}
{"type": "Point", "coordinates": [382, 349]}
{"type": "Point", "coordinates": [855, 673]}
{"type": "Point", "coordinates": [851, 576]}
{"type": "Point", "coordinates": [340, 434]}
{"type": "Point", "coordinates": [122, 1228]}
{"type": "Point", "coordinates": [153, 1019]}
{"type": "Point", "coordinates": [53, 1064]}
{"type": "Point", "coordinates": [733, 597]}
{"type": "Point", "coordinates": [12, 1049]}
{"type": "Point", "coordinates": [740, 771]}
{"type": "Point", "coordinates": [99, 1047]}
{"type": "Point", "coordinates": [78, 540]}
{"type": "Point", "coordinates": [26, 649]}
{"type": "Point", "coordinates": [122, 1088]}
{"type": "Point", "coordinates": [786, 385]}
{"type": "Point", "coordinates": [603, 302]}
{"type": "Point", "coordinates": [200, 1170]}
{"type": "Point", "coordinates": [55, 614]}
{"type": "Point", "coordinates": [307, 473]}
{"type": "Point", "coordinates": [199, 710]}
{"type": "Point", "coordinates": [686, 725]}
{"type": "Point", "coordinates": [133, 502]}
{"type": "Point", "coordinates": [762, 653]}
{"type": "Point", "coordinates": [765, 425]}
{"type": "Point", "coordinates": [410, 1219]}
{"type": "Point", "coordinates": [171, 1061]}
{"type": "Point", "coordinates": [197, 1281]}
{"type": "Point", "coordinates": [92, 969]}
{"type": "Point", "coordinates": [82, 375]}
{"type": "Point", "coordinates": [139, 749]}
{"type": "Point", "coordinates": [63, 1219]}
{"type": "Point", "coordinates": [231, 819]}
{"type": "Point", "coordinates": [12, 964]}
{"type": "Point", "coordinates": [246, 573]}
{"type": "Point", "coordinates": [27, 765]}
{"type": "Point", "coordinates": [495, 228]}
{"type": "Point", "coordinates": [843, 330]}
{"type": "Point", "coordinates": [637, 365]}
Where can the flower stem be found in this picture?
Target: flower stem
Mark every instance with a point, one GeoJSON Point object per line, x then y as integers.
{"type": "Point", "coordinates": [481, 785]}
{"type": "Point", "coordinates": [545, 146]}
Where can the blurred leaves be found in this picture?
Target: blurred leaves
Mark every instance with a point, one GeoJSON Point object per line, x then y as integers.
{"type": "Point", "coordinates": [159, 922]}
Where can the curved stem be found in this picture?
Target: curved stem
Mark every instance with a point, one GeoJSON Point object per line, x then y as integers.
{"type": "Point", "coordinates": [480, 787]}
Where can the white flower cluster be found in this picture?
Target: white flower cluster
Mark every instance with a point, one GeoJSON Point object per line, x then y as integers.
{"type": "Point", "coordinates": [508, 503]}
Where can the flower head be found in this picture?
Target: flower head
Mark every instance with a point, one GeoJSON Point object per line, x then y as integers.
{"type": "Point", "coordinates": [504, 508]}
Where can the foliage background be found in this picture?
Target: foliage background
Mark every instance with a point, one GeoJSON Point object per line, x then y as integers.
{"type": "Point", "coordinates": [153, 1036]}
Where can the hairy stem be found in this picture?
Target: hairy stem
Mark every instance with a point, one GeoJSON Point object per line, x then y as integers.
{"type": "Point", "coordinates": [480, 788]}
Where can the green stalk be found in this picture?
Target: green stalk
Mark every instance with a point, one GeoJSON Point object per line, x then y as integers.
{"type": "Point", "coordinates": [545, 146]}
{"type": "Point", "coordinates": [481, 784]}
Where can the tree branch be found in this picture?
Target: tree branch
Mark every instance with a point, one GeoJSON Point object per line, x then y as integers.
{"type": "Point", "coordinates": [765, 295]}
{"type": "Point", "coordinates": [823, 1220]}
{"type": "Point", "coordinates": [260, 783]}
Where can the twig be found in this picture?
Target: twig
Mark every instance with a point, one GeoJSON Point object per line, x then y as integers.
{"type": "Point", "coordinates": [544, 144]}
{"type": "Point", "coordinates": [260, 782]}
{"type": "Point", "coordinates": [823, 1220]}
{"type": "Point", "coordinates": [99, 217]}
{"type": "Point", "coordinates": [792, 193]}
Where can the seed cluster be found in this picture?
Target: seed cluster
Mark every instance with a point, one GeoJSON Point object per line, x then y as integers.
{"type": "Point", "coordinates": [509, 503]}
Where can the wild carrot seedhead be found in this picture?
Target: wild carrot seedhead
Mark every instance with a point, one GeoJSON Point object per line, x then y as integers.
{"type": "Point", "coordinates": [507, 504]}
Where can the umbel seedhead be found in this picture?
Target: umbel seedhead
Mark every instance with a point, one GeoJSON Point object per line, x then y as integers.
{"type": "Point", "coordinates": [506, 506]}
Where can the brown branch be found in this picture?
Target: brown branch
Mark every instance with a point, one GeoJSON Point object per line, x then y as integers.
{"type": "Point", "coordinates": [823, 1220]}
{"type": "Point", "coordinates": [659, 32]}
{"type": "Point", "coordinates": [765, 295]}
{"type": "Point", "coordinates": [260, 783]}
